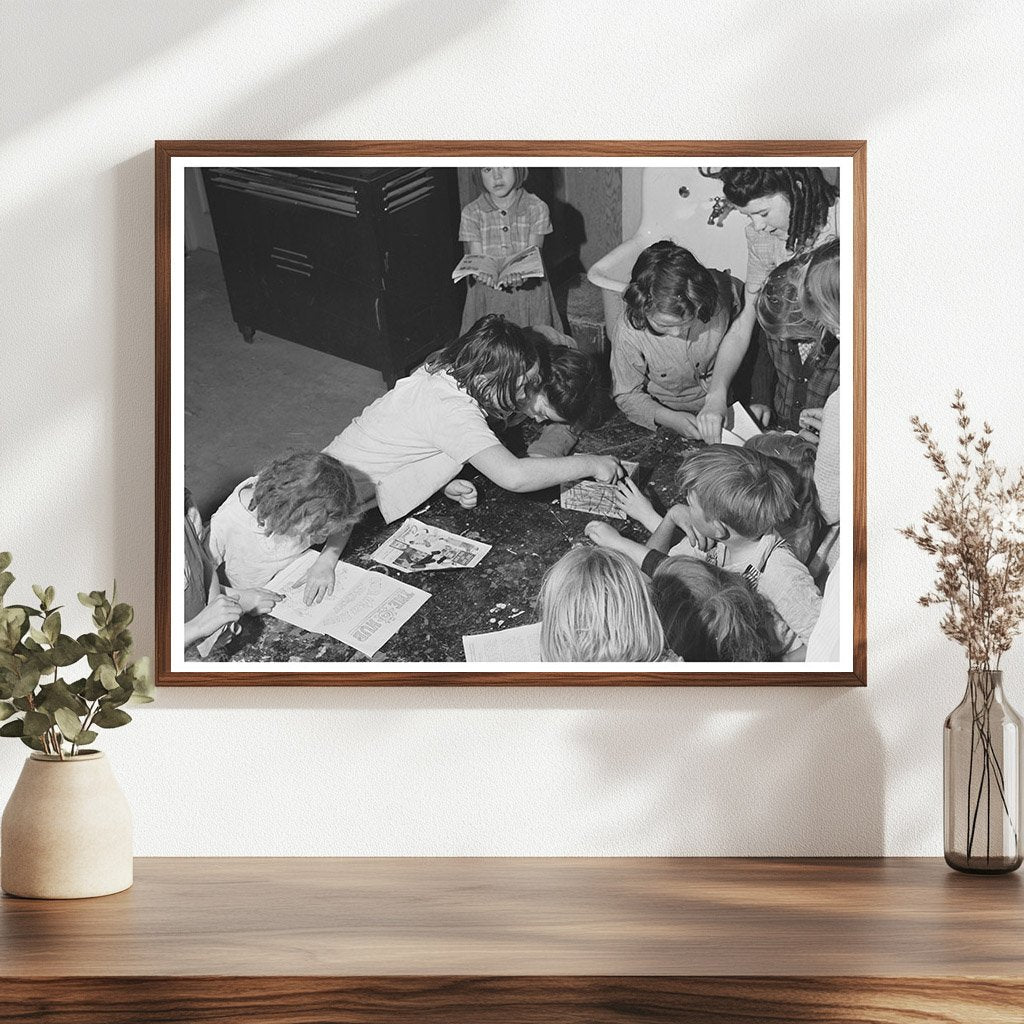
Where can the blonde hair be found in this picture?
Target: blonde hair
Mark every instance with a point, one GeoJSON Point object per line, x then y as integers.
{"type": "Point", "coordinates": [710, 614]}
{"type": "Point", "coordinates": [821, 287]}
{"type": "Point", "coordinates": [749, 492]}
{"type": "Point", "coordinates": [595, 605]}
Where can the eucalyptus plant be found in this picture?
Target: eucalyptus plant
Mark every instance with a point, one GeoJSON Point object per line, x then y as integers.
{"type": "Point", "coordinates": [45, 711]}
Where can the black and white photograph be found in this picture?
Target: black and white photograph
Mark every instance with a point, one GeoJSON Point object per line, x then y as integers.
{"type": "Point", "coordinates": [568, 415]}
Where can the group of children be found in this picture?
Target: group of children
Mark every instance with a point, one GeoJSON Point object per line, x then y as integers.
{"type": "Point", "coordinates": [732, 588]}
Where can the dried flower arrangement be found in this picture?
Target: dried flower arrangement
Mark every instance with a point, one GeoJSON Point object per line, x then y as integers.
{"type": "Point", "coordinates": [975, 529]}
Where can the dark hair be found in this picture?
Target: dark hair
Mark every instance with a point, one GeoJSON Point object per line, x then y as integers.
{"type": "Point", "coordinates": [569, 379]}
{"type": "Point", "coordinates": [711, 614]}
{"type": "Point", "coordinates": [304, 491]}
{"type": "Point", "coordinates": [490, 362]}
{"type": "Point", "coordinates": [669, 279]}
{"type": "Point", "coordinates": [522, 173]}
{"type": "Point", "coordinates": [750, 493]}
{"type": "Point", "coordinates": [809, 194]}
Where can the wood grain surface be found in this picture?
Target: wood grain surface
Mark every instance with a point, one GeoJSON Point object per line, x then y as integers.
{"type": "Point", "coordinates": [523, 939]}
{"type": "Point", "coordinates": [166, 150]}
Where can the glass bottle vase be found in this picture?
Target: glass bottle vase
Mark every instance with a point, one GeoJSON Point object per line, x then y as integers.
{"type": "Point", "coordinates": [981, 774]}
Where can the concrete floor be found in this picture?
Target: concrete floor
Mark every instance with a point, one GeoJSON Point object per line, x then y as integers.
{"type": "Point", "coordinates": [245, 404]}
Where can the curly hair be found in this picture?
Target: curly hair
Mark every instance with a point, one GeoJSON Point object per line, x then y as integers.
{"type": "Point", "coordinates": [491, 362]}
{"type": "Point", "coordinates": [304, 493]}
{"type": "Point", "coordinates": [711, 614]}
{"type": "Point", "coordinates": [799, 300]}
{"type": "Point", "coordinates": [809, 193]}
{"type": "Point", "coordinates": [750, 493]}
{"type": "Point", "coordinates": [595, 605]}
{"type": "Point", "coordinates": [669, 280]}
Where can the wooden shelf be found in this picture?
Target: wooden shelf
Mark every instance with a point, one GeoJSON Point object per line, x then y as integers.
{"type": "Point", "coordinates": [488, 940]}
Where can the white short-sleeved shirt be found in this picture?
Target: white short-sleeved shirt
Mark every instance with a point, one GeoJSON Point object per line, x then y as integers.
{"type": "Point", "coordinates": [412, 441]}
{"type": "Point", "coordinates": [251, 557]}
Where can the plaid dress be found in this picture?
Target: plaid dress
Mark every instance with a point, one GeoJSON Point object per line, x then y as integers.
{"type": "Point", "coordinates": [502, 233]}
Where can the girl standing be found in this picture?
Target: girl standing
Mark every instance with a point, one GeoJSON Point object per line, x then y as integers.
{"type": "Point", "coordinates": [790, 209]}
{"type": "Point", "coordinates": [503, 220]}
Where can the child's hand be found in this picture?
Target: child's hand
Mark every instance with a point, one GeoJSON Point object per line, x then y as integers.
{"type": "Point", "coordinates": [635, 504]}
{"type": "Point", "coordinates": [487, 278]}
{"type": "Point", "coordinates": [604, 535]}
{"type": "Point", "coordinates": [512, 282]}
{"type": "Point", "coordinates": [319, 583]}
{"type": "Point", "coordinates": [761, 413]}
{"type": "Point", "coordinates": [257, 600]}
{"type": "Point", "coordinates": [463, 492]}
{"type": "Point", "coordinates": [605, 468]}
{"type": "Point", "coordinates": [221, 611]}
{"type": "Point", "coordinates": [810, 424]}
{"type": "Point", "coordinates": [683, 519]}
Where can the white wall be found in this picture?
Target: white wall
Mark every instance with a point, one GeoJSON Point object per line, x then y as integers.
{"type": "Point", "coordinates": [935, 87]}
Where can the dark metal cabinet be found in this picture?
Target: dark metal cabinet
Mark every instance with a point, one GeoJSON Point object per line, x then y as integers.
{"type": "Point", "coordinates": [353, 261]}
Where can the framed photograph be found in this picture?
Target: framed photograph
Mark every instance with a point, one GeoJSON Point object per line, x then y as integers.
{"type": "Point", "coordinates": [583, 418]}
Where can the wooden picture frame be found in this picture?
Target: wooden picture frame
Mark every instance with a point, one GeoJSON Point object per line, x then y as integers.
{"type": "Point", "coordinates": [174, 158]}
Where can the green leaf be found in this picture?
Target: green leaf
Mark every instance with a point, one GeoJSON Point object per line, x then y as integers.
{"type": "Point", "coordinates": [107, 676]}
{"type": "Point", "coordinates": [89, 600]}
{"type": "Point", "coordinates": [38, 635]}
{"type": "Point", "coordinates": [59, 695]}
{"type": "Point", "coordinates": [6, 579]}
{"type": "Point", "coordinates": [40, 593]}
{"type": "Point", "coordinates": [31, 741]}
{"type": "Point", "coordinates": [36, 723]}
{"type": "Point", "coordinates": [51, 626]}
{"type": "Point", "coordinates": [142, 680]}
{"type": "Point", "coordinates": [86, 736]}
{"type": "Point", "coordinates": [5, 560]}
{"type": "Point", "coordinates": [69, 724]}
{"type": "Point", "coordinates": [95, 646]}
{"type": "Point", "coordinates": [67, 651]}
{"type": "Point", "coordinates": [15, 728]}
{"type": "Point", "coordinates": [6, 710]}
{"type": "Point", "coordinates": [27, 681]}
{"type": "Point", "coordinates": [122, 616]}
{"type": "Point", "coordinates": [111, 718]}
{"type": "Point", "coordinates": [50, 595]}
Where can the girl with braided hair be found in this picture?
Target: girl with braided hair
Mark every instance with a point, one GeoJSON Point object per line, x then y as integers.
{"type": "Point", "coordinates": [791, 210]}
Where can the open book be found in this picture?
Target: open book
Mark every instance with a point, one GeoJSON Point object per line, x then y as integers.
{"type": "Point", "coordinates": [528, 263]}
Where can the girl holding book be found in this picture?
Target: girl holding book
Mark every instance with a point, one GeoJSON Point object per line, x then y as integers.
{"type": "Point", "coordinates": [502, 221]}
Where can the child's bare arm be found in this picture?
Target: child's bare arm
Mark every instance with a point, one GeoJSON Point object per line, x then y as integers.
{"type": "Point", "coordinates": [497, 463]}
{"type": "Point", "coordinates": [604, 535]}
{"type": "Point", "coordinates": [635, 504]}
{"type": "Point", "coordinates": [320, 578]}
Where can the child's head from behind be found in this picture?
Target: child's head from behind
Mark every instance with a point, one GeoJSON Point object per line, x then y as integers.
{"type": "Point", "coordinates": [669, 289]}
{"type": "Point", "coordinates": [306, 494]}
{"type": "Point", "coordinates": [595, 605]}
{"type": "Point", "coordinates": [494, 362]}
{"type": "Point", "coordinates": [799, 301]}
{"type": "Point", "coordinates": [710, 614]}
{"type": "Point", "coordinates": [499, 181]}
{"type": "Point", "coordinates": [749, 493]}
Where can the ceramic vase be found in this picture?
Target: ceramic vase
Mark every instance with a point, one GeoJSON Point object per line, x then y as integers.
{"type": "Point", "coordinates": [66, 830]}
{"type": "Point", "coordinates": [982, 775]}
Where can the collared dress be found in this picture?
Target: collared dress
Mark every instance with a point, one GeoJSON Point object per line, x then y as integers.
{"type": "Point", "coordinates": [502, 233]}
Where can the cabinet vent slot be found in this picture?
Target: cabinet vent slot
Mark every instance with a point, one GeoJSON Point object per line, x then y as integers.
{"type": "Point", "coordinates": [408, 189]}
{"type": "Point", "coordinates": [290, 187]}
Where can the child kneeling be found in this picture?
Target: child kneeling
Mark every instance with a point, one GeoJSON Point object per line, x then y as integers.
{"type": "Point", "coordinates": [732, 503]}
